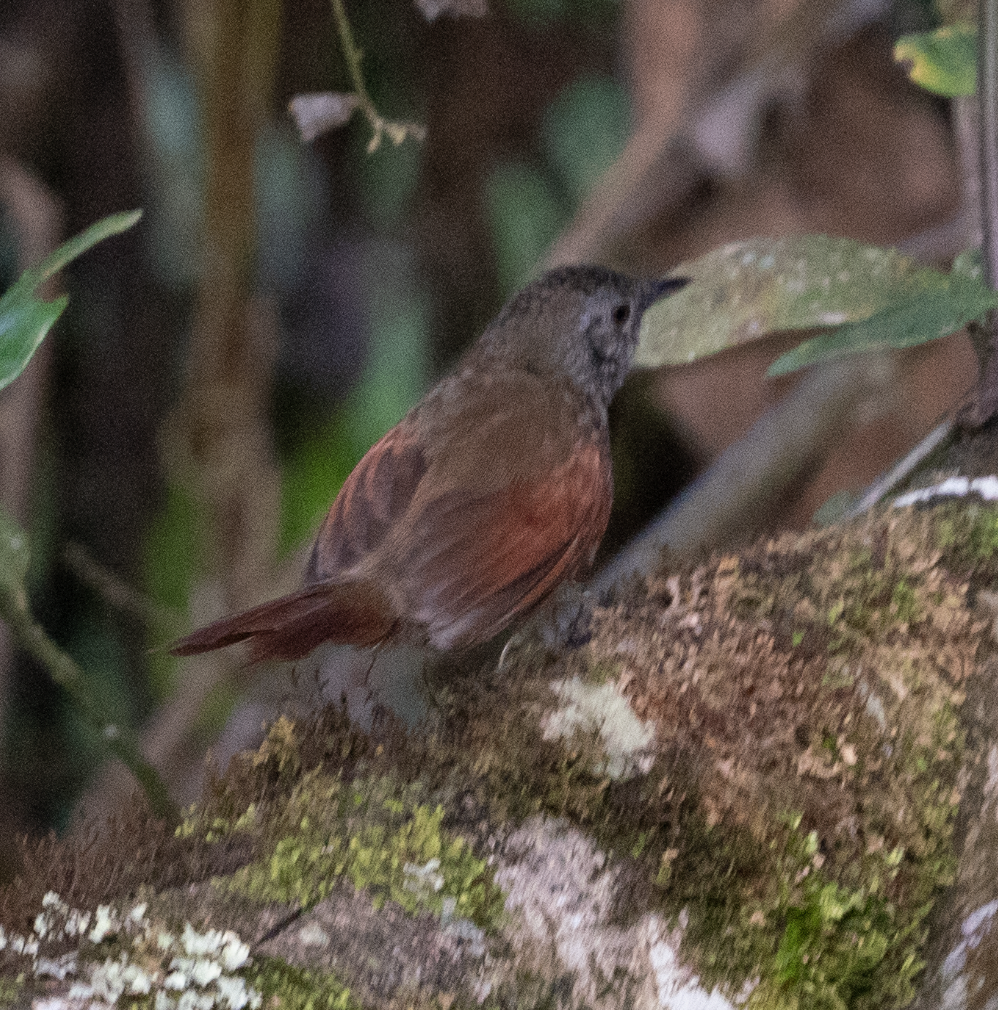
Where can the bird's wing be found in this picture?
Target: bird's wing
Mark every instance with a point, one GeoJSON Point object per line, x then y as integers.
{"type": "Point", "coordinates": [374, 498]}
{"type": "Point", "coordinates": [473, 509]}
{"type": "Point", "coordinates": [494, 557]}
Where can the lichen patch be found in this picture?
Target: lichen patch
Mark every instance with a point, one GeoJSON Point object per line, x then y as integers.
{"type": "Point", "coordinates": [601, 709]}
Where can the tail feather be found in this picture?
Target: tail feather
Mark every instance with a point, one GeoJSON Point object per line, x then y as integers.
{"type": "Point", "coordinates": [292, 626]}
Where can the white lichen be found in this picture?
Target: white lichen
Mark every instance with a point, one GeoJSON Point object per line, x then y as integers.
{"type": "Point", "coordinates": [679, 988]}
{"type": "Point", "coordinates": [313, 935]}
{"type": "Point", "coordinates": [601, 709]}
{"type": "Point", "coordinates": [562, 886]}
{"type": "Point", "coordinates": [123, 955]}
{"type": "Point", "coordinates": [423, 881]}
{"type": "Point", "coordinates": [961, 982]}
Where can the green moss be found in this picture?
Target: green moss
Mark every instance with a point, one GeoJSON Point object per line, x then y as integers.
{"type": "Point", "coordinates": [967, 532]}
{"type": "Point", "coordinates": [778, 917]}
{"type": "Point", "coordinates": [840, 946]}
{"type": "Point", "coordinates": [709, 878]}
{"type": "Point", "coordinates": [831, 944]}
{"type": "Point", "coordinates": [858, 640]}
{"type": "Point", "coordinates": [863, 599]}
{"type": "Point", "coordinates": [863, 640]}
{"type": "Point", "coordinates": [213, 828]}
{"type": "Point", "coordinates": [289, 988]}
{"type": "Point", "coordinates": [376, 835]}
{"type": "Point", "coordinates": [904, 602]}
{"type": "Point", "coordinates": [10, 989]}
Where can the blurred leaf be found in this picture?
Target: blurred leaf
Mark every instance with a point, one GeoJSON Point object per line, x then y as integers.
{"type": "Point", "coordinates": [970, 264]}
{"type": "Point", "coordinates": [432, 9]}
{"type": "Point", "coordinates": [585, 130]}
{"type": "Point", "coordinates": [24, 318]}
{"type": "Point", "coordinates": [943, 61]}
{"type": "Point", "coordinates": [312, 477]}
{"type": "Point", "coordinates": [525, 215]}
{"type": "Point", "coordinates": [24, 322]}
{"type": "Point", "coordinates": [173, 141]}
{"type": "Point", "coordinates": [394, 378]}
{"type": "Point", "coordinates": [918, 320]}
{"type": "Point", "coordinates": [389, 181]}
{"type": "Point", "coordinates": [292, 194]}
{"type": "Point", "coordinates": [169, 568]}
{"type": "Point", "coordinates": [321, 111]}
{"type": "Point", "coordinates": [113, 224]}
{"type": "Point", "coordinates": [14, 553]}
{"type": "Point", "coordinates": [397, 370]}
{"type": "Point", "coordinates": [744, 290]}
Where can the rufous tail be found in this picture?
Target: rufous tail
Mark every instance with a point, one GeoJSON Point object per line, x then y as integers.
{"type": "Point", "coordinates": [291, 627]}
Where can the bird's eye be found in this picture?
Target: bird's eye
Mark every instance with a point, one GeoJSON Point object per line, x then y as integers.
{"type": "Point", "coordinates": [621, 314]}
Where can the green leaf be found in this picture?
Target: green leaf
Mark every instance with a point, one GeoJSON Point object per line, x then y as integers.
{"type": "Point", "coordinates": [24, 322]}
{"type": "Point", "coordinates": [925, 317]}
{"type": "Point", "coordinates": [24, 318]}
{"type": "Point", "coordinates": [943, 61]}
{"type": "Point", "coordinates": [745, 290]}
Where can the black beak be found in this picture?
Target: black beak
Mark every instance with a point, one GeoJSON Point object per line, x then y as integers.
{"type": "Point", "coordinates": [660, 288]}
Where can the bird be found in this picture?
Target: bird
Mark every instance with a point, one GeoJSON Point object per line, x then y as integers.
{"type": "Point", "coordinates": [490, 492]}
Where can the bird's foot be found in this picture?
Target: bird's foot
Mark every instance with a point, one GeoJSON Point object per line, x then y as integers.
{"type": "Point", "coordinates": [515, 639]}
{"type": "Point", "coordinates": [566, 622]}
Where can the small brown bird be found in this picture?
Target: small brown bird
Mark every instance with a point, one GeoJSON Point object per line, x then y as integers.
{"type": "Point", "coordinates": [490, 492]}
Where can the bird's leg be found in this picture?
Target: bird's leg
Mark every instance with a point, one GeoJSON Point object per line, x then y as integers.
{"type": "Point", "coordinates": [565, 622]}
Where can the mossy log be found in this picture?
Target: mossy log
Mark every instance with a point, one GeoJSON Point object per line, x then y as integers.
{"type": "Point", "coordinates": [769, 779]}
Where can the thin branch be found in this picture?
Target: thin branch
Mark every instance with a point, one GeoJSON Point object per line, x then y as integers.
{"type": "Point", "coordinates": [119, 740]}
{"type": "Point", "coordinates": [397, 132]}
{"type": "Point", "coordinates": [120, 594]}
{"type": "Point", "coordinates": [730, 502]}
{"type": "Point", "coordinates": [901, 470]}
{"type": "Point", "coordinates": [351, 53]}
